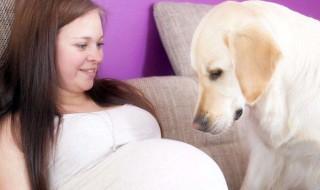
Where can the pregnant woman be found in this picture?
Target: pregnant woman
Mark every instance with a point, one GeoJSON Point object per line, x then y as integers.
{"type": "Point", "coordinates": [62, 128]}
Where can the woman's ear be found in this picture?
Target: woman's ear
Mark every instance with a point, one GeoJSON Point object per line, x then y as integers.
{"type": "Point", "coordinates": [255, 56]}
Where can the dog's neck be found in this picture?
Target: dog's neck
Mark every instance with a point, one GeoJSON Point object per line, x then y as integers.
{"type": "Point", "coordinates": [287, 112]}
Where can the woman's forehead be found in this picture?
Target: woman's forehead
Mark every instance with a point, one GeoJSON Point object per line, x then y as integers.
{"type": "Point", "coordinates": [88, 25]}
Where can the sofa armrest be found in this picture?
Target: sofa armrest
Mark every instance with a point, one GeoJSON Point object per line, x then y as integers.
{"type": "Point", "coordinates": [174, 98]}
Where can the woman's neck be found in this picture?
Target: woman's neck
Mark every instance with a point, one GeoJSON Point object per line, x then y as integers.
{"type": "Point", "coordinates": [75, 103]}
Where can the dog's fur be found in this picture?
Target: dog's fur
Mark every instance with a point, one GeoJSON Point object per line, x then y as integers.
{"type": "Point", "coordinates": [265, 57]}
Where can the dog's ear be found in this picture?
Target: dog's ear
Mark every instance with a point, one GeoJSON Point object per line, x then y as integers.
{"type": "Point", "coordinates": [255, 57]}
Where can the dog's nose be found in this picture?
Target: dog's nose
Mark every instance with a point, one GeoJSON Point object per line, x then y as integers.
{"type": "Point", "coordinates": [201, 123]}
{"type": "Point", "coordinates": [238, 114]}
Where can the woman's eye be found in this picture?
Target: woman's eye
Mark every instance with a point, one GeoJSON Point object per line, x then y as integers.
{"type": "Point", "coordinates": [214, 75]}
{"type": "Point", "coordinates": [100, 44]}
{"type": "Point", "coordinates": [82, 46]}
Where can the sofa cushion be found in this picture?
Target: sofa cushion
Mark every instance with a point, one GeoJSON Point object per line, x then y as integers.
{"type": "Point", "coordinates": [174, 99]}
{"type": "Point", "coordinates": [176, 23]}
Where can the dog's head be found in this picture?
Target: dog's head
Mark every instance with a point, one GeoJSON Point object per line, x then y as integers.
{"type": "Point", "coordinates": [234, 59]}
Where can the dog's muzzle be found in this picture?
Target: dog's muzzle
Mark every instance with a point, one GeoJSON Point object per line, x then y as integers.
{"type": "Point", "coordinates": [201, 123]}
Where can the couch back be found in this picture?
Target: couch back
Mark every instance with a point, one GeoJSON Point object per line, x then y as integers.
{"type": "Point", "coordinates": [6, 19]}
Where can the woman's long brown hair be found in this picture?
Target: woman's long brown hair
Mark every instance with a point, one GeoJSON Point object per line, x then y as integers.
{"type": "Point", "coordinates": [28, 80]}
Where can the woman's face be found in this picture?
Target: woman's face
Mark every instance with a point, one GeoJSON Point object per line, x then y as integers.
{"type": "Point", "coordinates": [79, 53]}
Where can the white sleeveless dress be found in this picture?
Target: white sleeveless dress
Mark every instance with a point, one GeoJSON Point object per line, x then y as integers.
{"type": "Point", "coordinates": [121, 148]}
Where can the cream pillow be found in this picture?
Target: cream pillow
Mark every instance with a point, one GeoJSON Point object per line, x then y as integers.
{"type": "Point", "coordinates": [176, 23]}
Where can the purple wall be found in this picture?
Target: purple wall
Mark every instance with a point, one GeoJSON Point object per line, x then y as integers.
{"type": "Point", "coordinates": [133, 48]}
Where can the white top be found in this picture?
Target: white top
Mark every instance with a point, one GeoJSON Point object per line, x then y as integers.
{"type": "Point", "coordinates": [87, 138]}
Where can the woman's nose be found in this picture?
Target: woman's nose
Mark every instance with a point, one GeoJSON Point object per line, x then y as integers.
{"type": "Point", "coordinates": [95, 55]}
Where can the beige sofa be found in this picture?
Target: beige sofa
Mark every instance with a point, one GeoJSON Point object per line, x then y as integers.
{"type": "Point", "coordinates": [174, 97]}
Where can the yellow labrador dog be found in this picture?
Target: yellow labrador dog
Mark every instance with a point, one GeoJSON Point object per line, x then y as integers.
{"type": "Point", "coordinates": [264, 56]}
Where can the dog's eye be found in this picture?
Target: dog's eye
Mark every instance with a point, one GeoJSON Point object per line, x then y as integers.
{"type": "Point", "coordinates": [215, 74]}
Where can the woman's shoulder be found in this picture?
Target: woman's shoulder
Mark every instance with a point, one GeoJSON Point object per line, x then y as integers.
{"type": "Point", "coordinates": [13, 171]}
{"type": "Point", "coordinates": [9, 148]}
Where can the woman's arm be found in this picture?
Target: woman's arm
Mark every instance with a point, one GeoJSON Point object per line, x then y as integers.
{"type": "Point", "coordinates": [13, 172]}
